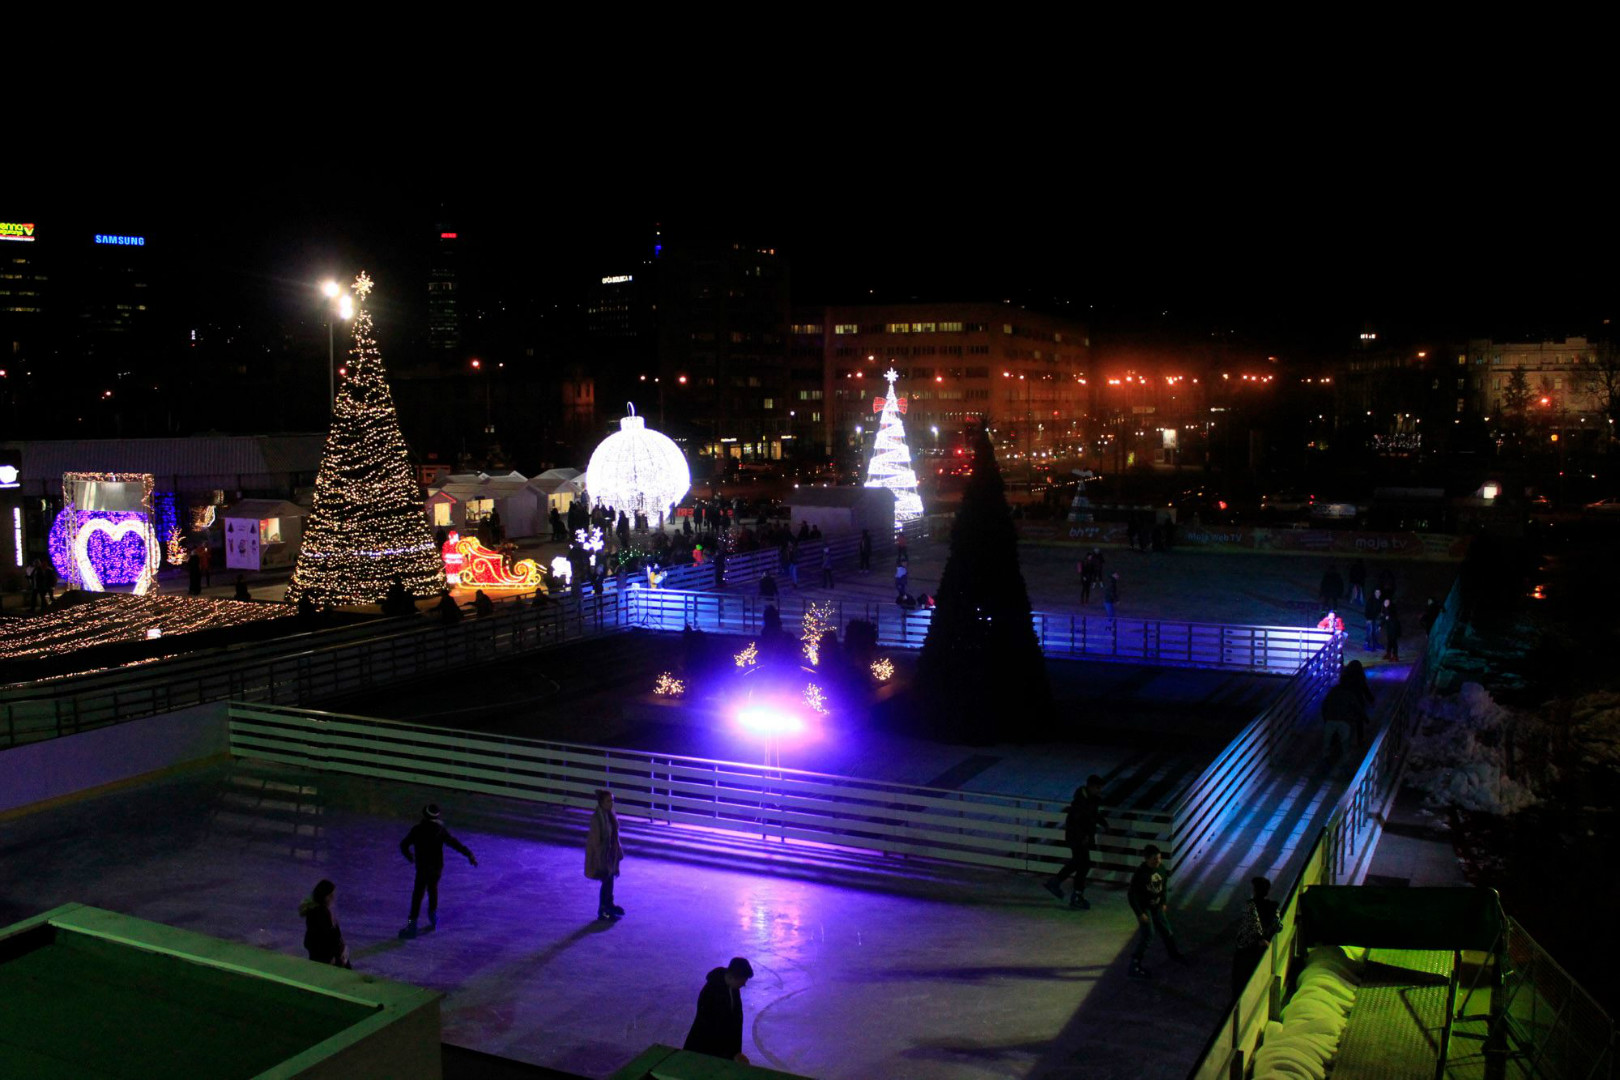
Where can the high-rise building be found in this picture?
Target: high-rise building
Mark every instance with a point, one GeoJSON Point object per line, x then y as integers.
{"type": "Point", "coordinates": [723, 313]}
{"type": "Point", "coordinates": [444, 301]}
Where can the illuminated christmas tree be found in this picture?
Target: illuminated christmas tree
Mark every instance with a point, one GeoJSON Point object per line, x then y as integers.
{"type": "Point", "coordinates": [890, 466]}
{"type": "Point", "coordinates": [367, 525]}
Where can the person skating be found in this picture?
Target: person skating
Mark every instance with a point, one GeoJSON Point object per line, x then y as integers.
{"type": "Point", "coordinates": [866, 551]}
{"type": "Point", "coordinates": [1111, 593]}
{"type": "Point", "coordinates": [323, 937]}
{"type": "Point", "coordinates": [1080, 833]}
{"type": "Point", "coordinates": [1390, 624]}
{"type": "Point", "coordinates": [1331, 590]}
{"type": "Point", "coordinates": [603, 853]}
{"type": "Point", "coordinates": [1255, 931]}
{"type": "Point", "coordinates": [428, 838]}
{"type": "Point", "coordinates": [1374, 608]}
{"type": "Point", "coordinates": [826, 566]}
{"type": "Point", "coordinates": [718, 1027]}
{"type": "Point", "coordinates": [1149, 893]}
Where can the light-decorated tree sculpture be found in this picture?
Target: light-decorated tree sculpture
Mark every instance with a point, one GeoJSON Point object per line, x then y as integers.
{"type": "Point", "coordinates": [890, 466]}
{"type": "Point", "coordinates": [637, 469]}
{"type": "Point", "coordinates": [367, 524]}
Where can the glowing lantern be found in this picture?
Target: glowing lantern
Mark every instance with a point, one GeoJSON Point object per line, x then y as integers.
{"type": "Point", "coordinates": [638, 469]}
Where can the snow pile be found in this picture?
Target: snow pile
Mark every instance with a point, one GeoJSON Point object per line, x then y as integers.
{"type": "Point", "coordinates": [1464, 751]}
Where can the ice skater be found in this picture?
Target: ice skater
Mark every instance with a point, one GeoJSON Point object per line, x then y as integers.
{"type": "Point", "coordinates": [428, 837]}
{"type": "Point", "coordinates": [1255, 932]}
{"type": "Point", "coordinates": [1149, 894]}
{"type": "Point", "coordinates": [323, 937]}
{"type": "Point", "coordinates": [717, 1029]}
{"type": "Point", "coordinates": [1111, 593]}
{"type": "Point", "coordinates": [1080, 832]}
{"type": "Point", "coordinates": [603, 854]}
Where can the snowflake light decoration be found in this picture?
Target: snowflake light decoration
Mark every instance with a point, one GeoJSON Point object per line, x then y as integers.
{"type": "Point", "coordinates": [591, 540]}
{"type": "Point", "coordinates": [815, 699]}
{"type": "Point", "coordinates": [883, 669]}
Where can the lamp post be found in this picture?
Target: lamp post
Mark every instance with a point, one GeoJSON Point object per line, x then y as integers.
{"type": "Point", "coordinates": [343, 305]}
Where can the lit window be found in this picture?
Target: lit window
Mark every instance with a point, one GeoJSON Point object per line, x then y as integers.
{"type": "Point", "coordinates": [847, 328]}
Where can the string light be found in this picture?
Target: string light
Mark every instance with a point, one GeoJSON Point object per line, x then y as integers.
{"type": "Point", "coordinates": [115, 617]}
{"type": "Point", "coordinates": [367, 525]}
{"type": "Point", "coordinates": [748, 657]}
{"type": "Point", "coordinates": [482, 568]}
{"type": "Point", "coordinates": [817, 621]}
{"type": "Point", "coordinates": [668, 685]}
{"type": "Point", "coordinates": [883, 669]}
{"type": "Point", "coordinates": [814, 698]}
{"type": "Point", "coordinates": [637, 469]}
{"type": "Point", "coordinates": [890, 466]}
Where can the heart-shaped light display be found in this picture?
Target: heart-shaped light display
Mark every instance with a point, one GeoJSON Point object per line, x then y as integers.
{"type": "Point", "coordinates": [116, 531]}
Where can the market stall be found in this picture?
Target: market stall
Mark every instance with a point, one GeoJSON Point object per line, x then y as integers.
{"type": "Point", "coordinates": [261, 534]}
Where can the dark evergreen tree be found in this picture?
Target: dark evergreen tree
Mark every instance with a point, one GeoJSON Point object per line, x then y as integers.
{"type": "Point", "coordinates": [981, 676]}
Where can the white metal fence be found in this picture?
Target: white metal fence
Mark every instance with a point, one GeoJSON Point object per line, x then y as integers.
{"type": "Point", "coordinates": [778, 805]}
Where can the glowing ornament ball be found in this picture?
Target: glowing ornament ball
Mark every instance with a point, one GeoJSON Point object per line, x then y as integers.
{"type": "Point", "coordinates": [638, 469]}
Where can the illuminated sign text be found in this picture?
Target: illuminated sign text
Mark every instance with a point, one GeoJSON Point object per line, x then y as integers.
{"type": "Point", "coordinates": [618, 279]}
{"type": "Point", "coordinates": [11, 230]}
{"type": "Point", "coordinates": [125, 241]}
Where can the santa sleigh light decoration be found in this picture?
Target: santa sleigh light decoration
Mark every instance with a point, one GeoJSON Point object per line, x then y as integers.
{"type": "Point", "coordinates": [472, 565]}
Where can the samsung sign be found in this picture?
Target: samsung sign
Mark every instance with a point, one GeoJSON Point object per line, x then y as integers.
{"type": "Point", "coordinates": [127, 241]}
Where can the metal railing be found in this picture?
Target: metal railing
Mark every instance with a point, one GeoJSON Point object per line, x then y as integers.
{"type": "Point", "coordinates": [417, 649]}
{"type": "Point", "coordinates": [1276, 650]}
{"type": "Point", "coordinates": [772, 804]}
{"type": "Point", "coordinates": [1559, 1031]}
{"type": "Point", "coordinates": [299, 673]}
{"type": "Point", "coordinates": [1245, 762]}
{"type": "Point", "coordinates": [1340, 855]}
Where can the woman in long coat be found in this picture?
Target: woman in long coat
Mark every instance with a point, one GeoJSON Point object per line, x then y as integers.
{"type": "Point", "coordinates": [323, 937]}
{"type": "Point", "coordinates": [603, 854]}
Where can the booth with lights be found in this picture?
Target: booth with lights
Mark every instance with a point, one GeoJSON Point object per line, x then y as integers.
{"type": "Point", "coordinates": [261, 534]}
{"type": "Point", "coordinates": [104, 534]}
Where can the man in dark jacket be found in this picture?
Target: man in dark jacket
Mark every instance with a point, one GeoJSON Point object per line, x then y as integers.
{"type": "Point", "coordinates": [428, 837]}
{"type": "Point", "coordinates": [1080, 833]}
{"type": "Point", "coordinates": [1149, 893]}
{"type": "Point", "coordinates": [717, 1030]}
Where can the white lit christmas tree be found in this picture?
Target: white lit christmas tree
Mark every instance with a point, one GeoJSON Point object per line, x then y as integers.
{"type": "Point", "coordinates": [367, 524]}
{"type": "Point", "coordinates": [890, 466]}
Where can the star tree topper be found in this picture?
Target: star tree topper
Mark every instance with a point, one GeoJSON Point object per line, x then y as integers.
{"type": "Point", "coordinates": [900, 403]}
{"type": "Point", "coordinates": [362, 286]}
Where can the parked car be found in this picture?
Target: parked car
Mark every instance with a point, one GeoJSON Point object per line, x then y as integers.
{"type": "Point", "coordinates": [1286, 501]}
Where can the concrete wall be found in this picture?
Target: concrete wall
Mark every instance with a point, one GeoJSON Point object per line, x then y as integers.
{"type": "Point", "coordinates": [57, 768]}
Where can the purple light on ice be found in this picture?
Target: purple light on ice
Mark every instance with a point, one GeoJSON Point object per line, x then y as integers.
{"type": "Point", "coordinates": [766, 718]}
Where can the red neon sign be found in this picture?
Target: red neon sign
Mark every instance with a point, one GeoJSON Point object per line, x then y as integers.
{"type": "Point", "coordinates": [447, 236]}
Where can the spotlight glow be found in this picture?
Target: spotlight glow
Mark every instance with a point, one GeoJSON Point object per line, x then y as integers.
{"type": "Point", "coordinates": [769, 719]}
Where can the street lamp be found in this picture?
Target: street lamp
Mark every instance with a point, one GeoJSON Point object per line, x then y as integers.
{"type": "Point", "coordinates": [344, 308]}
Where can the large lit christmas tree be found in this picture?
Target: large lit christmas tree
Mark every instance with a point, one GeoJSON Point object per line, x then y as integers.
{"type": "Point", "coordinates": [890, 466]}
{"type": "Point", "coordinates": [367, 525]}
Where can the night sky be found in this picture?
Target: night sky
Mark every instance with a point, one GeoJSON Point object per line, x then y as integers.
{"type": "Point", "coordinates": [1299, 250]}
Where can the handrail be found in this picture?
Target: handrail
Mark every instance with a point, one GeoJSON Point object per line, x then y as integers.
{"type": "Point", "coordinates": [1339, 854]}
{"type": "Point", "coordinates": [783, 805]}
